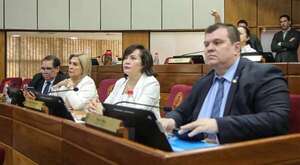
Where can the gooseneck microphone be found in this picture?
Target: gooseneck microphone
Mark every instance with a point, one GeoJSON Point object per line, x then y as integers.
{"type": "Point", "coordinates": [65, 90]}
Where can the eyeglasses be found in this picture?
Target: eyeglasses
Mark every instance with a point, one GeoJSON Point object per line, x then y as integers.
{"type": "Point", "coordinates": [46, 68]}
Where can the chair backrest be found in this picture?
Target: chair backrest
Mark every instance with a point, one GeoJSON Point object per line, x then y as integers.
{"type": "Point", "coordinates": [15, 82]}
{"type": "Point", "coordinates": [26, 82]}
{"type": "Point", "coordinates": [105, 87]}
{"type": "Point", "coordinates": [2, 155]}
{"type": "Point", "coordinates": [294, 116]}
{"type": "Point", "coordinates": [177, 95]}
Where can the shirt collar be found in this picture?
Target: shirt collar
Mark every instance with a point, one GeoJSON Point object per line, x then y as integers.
{"type": "Point", "coordinates": [284, 31]}
{"type": "Point", "coordinates": [229, 74]}
{"type": "Point", "coordinates": [51, 81]}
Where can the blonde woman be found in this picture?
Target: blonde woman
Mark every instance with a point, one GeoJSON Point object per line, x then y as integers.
{"type": "Point", "coordinates": [81, 86]}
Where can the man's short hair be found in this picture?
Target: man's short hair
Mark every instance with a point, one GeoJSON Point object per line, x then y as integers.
{"type": "Point", "coordinates": [242, 21]}
{"type": "Point", "coordinates": [285, 16]}
{"type": "Point", "coordinates": [233, 33]}
{"type": "Point", "coordinates": [56, 61]}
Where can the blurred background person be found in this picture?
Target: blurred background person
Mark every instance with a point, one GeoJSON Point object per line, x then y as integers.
{"type": "Point", "coordinates": [244, 40]}
{"type": "Point", "coordinates": [285, 42]}
{"type": "Point", "coordinates": [254, 42]}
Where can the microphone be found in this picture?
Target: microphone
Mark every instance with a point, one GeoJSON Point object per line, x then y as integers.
{"type": "Point", "coordinates": [65, 90]}
{"type": "Point", "coordinates": [134, 103]}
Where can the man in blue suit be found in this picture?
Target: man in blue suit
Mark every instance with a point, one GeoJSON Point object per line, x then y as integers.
{"type": "Point", "coordinates": [237, 100]}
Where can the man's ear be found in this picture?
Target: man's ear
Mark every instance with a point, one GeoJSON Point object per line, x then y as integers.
{"type": "Point", "coordinates": [237, 46]}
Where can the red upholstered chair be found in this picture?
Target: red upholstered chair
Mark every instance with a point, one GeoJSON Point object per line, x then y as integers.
{"type": "Point", "coordinates": [15, 82]}
{"type": "Point", "coordinates": [105, 87]}
{"type": "Point", "coordinates": [177, 95]}
{"type": "Point", "coordinates": [294, 116]}
{"type": "Point", "coordinates": [26, 82]}
{"type": "Point", "coordinates": [2, 156]}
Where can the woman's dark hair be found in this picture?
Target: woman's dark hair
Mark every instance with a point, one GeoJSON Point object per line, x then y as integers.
{"type": "Point", "coordinates": [246, 30]}
{"type": "Point", "coordinates": [146, 58]}
{"type": "Point", "coordinates": [247, 33]}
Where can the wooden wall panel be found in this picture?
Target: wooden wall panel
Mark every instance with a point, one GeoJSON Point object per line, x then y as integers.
{"type": "Point", "coordinates": [270, 10]}
{"type": "Point", "coordinates": [39, 120]}
{"type": "Point", "coordinates": [39, 146]}
{"type": "Point", "coordinates": [293, 82]}
{"type": "Point", "coordinates": [129, 38]}
{"type": "Point", "coordinates": [293, 69]}
{"type": "Point", "coordinates": [82, 156]}
{"type": "Point", "coordinates": [8, 159]}
{"type": "Point", "coordinates": [6, 134]}
{"type": "Point", "coordinates": [241, 9]}
{"type": "Point", "coordinates": [106, 146]}
{"type": "Point", "coordinates": [295, 12]}
{"type": "Point", "coordinates": [253, 31]}
{"type": "Point", "coordinates": [2, 55]}
{"type": "Point", "coordinates": [21, 159]}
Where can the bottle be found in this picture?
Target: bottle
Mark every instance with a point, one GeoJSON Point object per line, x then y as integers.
{"type": "Point", "coordinates": [156, 59]}
{"type": "Point", "coordinates": [5, 90]}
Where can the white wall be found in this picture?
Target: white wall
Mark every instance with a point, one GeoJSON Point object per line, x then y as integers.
{"type": "Point", "coordinates": [266, 39]}
{"type": "Point", "coordinates": [168, 44]}
{"type": "Point", "coordinates": [109, 14]}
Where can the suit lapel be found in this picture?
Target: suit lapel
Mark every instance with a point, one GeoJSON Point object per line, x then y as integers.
{"type": "Point", "coordinates": [207, 85]}
{"type": "Point", "coordinates": [234, 87]}
{"type": "Point", "coordinates": [288, 35]}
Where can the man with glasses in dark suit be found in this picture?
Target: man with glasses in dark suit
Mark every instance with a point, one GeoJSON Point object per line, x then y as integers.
{"type": "Point", "coordinates": [49, 75]}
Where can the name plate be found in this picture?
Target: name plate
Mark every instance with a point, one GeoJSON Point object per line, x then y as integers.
{"type": "Point", "coordinates": [103, 122]}
{"type": "Point", "coordinates": [185, 60]}
{"type": "Point", "coordinates": [34, 104]}
{"type": "Point", "coordinates": [2, 97]}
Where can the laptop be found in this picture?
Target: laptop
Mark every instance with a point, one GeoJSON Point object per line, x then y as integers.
{"type": "Point", "coordinates": [144, 128]}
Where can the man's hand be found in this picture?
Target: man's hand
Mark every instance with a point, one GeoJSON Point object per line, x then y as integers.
{"type": "Point", "coordinates": [168, 124]}
{"type": "Point", "coordinates": [199, 126]}
{"type": "Point", "coordinates": [29, 95]}
{"type": "Point", "coordinates": [216, 15]}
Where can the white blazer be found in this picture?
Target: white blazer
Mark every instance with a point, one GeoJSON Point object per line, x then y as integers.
{"type": "Point", "coordinates": [77, 100]}
{"type": "Point", "coordinates": [247, 49]}
{"type": "Point", "coordinates": [146, 91]}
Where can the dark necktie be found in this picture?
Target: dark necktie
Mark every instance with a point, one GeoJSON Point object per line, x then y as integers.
{"type": "Point", "coordinates": [46, 89]}
{"type": "Point", "coordinates": [218, 100]}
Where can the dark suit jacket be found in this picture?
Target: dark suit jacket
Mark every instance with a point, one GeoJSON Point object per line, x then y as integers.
{"type": "Point", "coordinates": [255, 43]}
{"type": "Point", "coordinates": [257, 104]}
{"type": "Point", "coordinates": [38, 81]}
{"type": "Point", "coordinates": [287, 52]}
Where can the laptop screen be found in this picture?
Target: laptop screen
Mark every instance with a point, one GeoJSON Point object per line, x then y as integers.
{"type": "Point", "coordinates": [143, 126]}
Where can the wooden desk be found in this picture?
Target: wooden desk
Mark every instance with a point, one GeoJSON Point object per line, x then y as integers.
{"type": "Point", "coordinates": [38, 138]}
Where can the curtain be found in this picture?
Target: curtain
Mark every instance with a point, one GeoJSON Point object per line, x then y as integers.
{"type": "Point", "coordinates": [24, 54]}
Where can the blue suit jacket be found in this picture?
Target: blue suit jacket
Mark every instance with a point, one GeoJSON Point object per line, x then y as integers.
{"type": "Point", "coordinates": [257, 104]}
